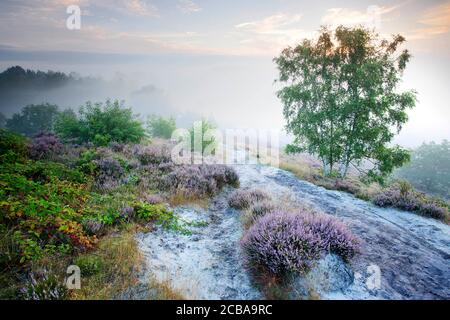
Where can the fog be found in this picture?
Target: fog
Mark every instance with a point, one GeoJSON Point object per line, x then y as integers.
{"type": "Point", "coordinates": [232, 91]}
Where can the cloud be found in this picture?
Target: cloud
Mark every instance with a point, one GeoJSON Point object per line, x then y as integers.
{"type": "Point", "coordinates": [275, 24]}
{"type": "Point", "coordinates": [141, 8]}
{"type": "Point", "coordinates": [436, 21]}
{"type": "Point", "coordinates": [348, 17]}
{"type": "Point", "coordinates": [188, 6]}
{"type": "Point", "coordinates": [269, 35]}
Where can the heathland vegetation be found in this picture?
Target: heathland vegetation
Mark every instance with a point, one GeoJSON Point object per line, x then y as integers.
{"type": "Point", "coordinates": [77, 185]}
{"type": "Point", "coordinates": [73, 196]}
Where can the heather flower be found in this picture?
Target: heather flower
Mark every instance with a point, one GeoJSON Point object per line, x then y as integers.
{"type": "Point", "coordinates": [195, 181]}
{"type": "Point", "coordinates": [243, 199]}
{"type": "Point", "coordinates": [116, 146]}
{"type": "Point", "coordinates": [405, 198]}
{"type": "Point", "coordinates": [93, 227]}
{"type": "Point", "coordinates": [282, 243]}
{"type": "Point", "coordinates": [44, 146]}
{"type": "Point", "coordinates": [127, 214]}
{"type": "Point", "coordinates": [152, 154]}
{"type": "Point", "coordinates": [110, 167]}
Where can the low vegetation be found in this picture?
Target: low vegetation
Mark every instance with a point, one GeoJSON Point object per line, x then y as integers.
{"type": "Point", "coordinates": [403, 196]}
{"type": "Point", "coordinates": [160, 127]}
{"type": "Point", "coordinates": [394, 193]}
{"type": "Point", "coordinates": [279, 243]}
{"type": "Point", "coordinates": [101, 124]}
{"type": "Point", "coordinates": [63, 203]}
{"type": "Point", "coordinates": [429, 169]}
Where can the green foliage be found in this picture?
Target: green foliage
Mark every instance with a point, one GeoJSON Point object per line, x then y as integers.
{"type": "Point", "coordinates": [429, 170]}
{"type": "Point", "coordinates": [42, 204]}
{"type": "Point", "coordinates": [340, 99]}
{"type": "Point", "coordinates": [100, 124]}
{"type": "Point", "coordinates": [33, 119]}
{"type": "Point", "coordinates": [160, 127]}
{"type": "Point", "coordinates": [159, 214]}
{"type": "Point", "coordinates": [46, 287]}
{"type": "Point", "coordinates": [12, 147]}
{"type": "Point", "coordinates": [200, 138]}
{"type": "Point", "coordinates": [89, 264]}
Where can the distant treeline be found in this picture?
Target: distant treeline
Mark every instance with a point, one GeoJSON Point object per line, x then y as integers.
{"type": "Point", "coordinates": [17, 77]}
{"type": "Point", "coordinates": [20, 87]}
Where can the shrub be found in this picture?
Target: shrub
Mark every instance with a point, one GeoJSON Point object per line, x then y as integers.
{"type": "Point", "coordinates": [160, 215]}
{"type": "Point", "coordinates": [89, 264]}
{"type": "Point", "coordinates": [243, 199]}
{"type": "Point", "coordinates": [198, 181]}
{"type": "Point", "coordinates": [87, 162]}
{"type": "Point", "coordinates": [127, 214]}
{"type": "Point", "coordinates": [93, 227]}
{"type": "Point", "coordinates": [262, 208]}
{"type": "Point", "coordinates": [110, 167]}
{"type": "Point", "coordinates": [402, 195]}
{"type": "Point", "coordinates": [12, 147]}
{"type": "Point", "coordinates": [43, 205]}
{"type": "Point", "coordinates": [152, 154]}
{"type": "Point", "coordinates": [199, 132]}
{"type": "Point", "coordinates": [100, 124]}
{"type": "Point", "coordinates": [110, 173]}
{"type": "Point", "coordinates": [33, 119]}
{"type": "Point", "coordinates": [280, 243]}
{"type": "Point", "coordinates": [256, 211]}
{"type": "Point", "coordinates": [44, 146]}
{"type": "Point", "coordinates": [45, 287]}
{"type": "Point", "coordinates": [160, 127]}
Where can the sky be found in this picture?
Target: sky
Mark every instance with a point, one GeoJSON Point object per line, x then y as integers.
{"type": "Point", "coordinates": [214, 57]}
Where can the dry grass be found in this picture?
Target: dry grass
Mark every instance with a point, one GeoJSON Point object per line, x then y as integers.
{"type": "Point", "coordinates": [164, 291]}
{"type": "Point", "coordinates": [119, 259]}
{"type": "Point", "coordinates": [179, 199]}
{"type": "Point", "coordinates": [307, 168]}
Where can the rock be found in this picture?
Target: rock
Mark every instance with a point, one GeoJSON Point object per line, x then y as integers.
{"type": "Point", "coordinates": [329, 275]}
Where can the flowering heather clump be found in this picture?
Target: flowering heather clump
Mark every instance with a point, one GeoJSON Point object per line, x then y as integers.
{"type": "Point", "coordinates": [116, 146]}
{"type": "Point", "coordinates": [244, 199]}
{"type": "Point", "coordinates": [44, 146]}
{"type": "Point", "coordinates": [110, 173]}
{"type": "Point", "coordinates": [93, 227]}
{"type": "Point", "coordinates": [110, 167]}
{"type": "Point", "coordinates": [152, 154]}
{"type": "Point", "coordinates": [402, 197]}
{"type": "Point", "coordinates": [198, 181]}
{"type": "Point", "coordinates": [127, 214]}
{"type": "Point", "coordinates": [280, 242]}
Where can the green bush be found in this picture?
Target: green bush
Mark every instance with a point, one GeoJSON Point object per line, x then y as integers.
{"type": "Point", "coordinates": [161, 215]}
{"type": "Point", "coordinates": [160, 127]}
{"type": "Point", "coordinates": [42, 205]}
{"type": "Point", "coordinates": [33, 119]}
{"type": "Point", "coordinates": [89, 264]}
{"type": "Point", "coordinates": [199, 132]}
{"type": "Point", "coordinates": [100, 124]}
{"type": "Point", "coordinates": [12, 147]}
